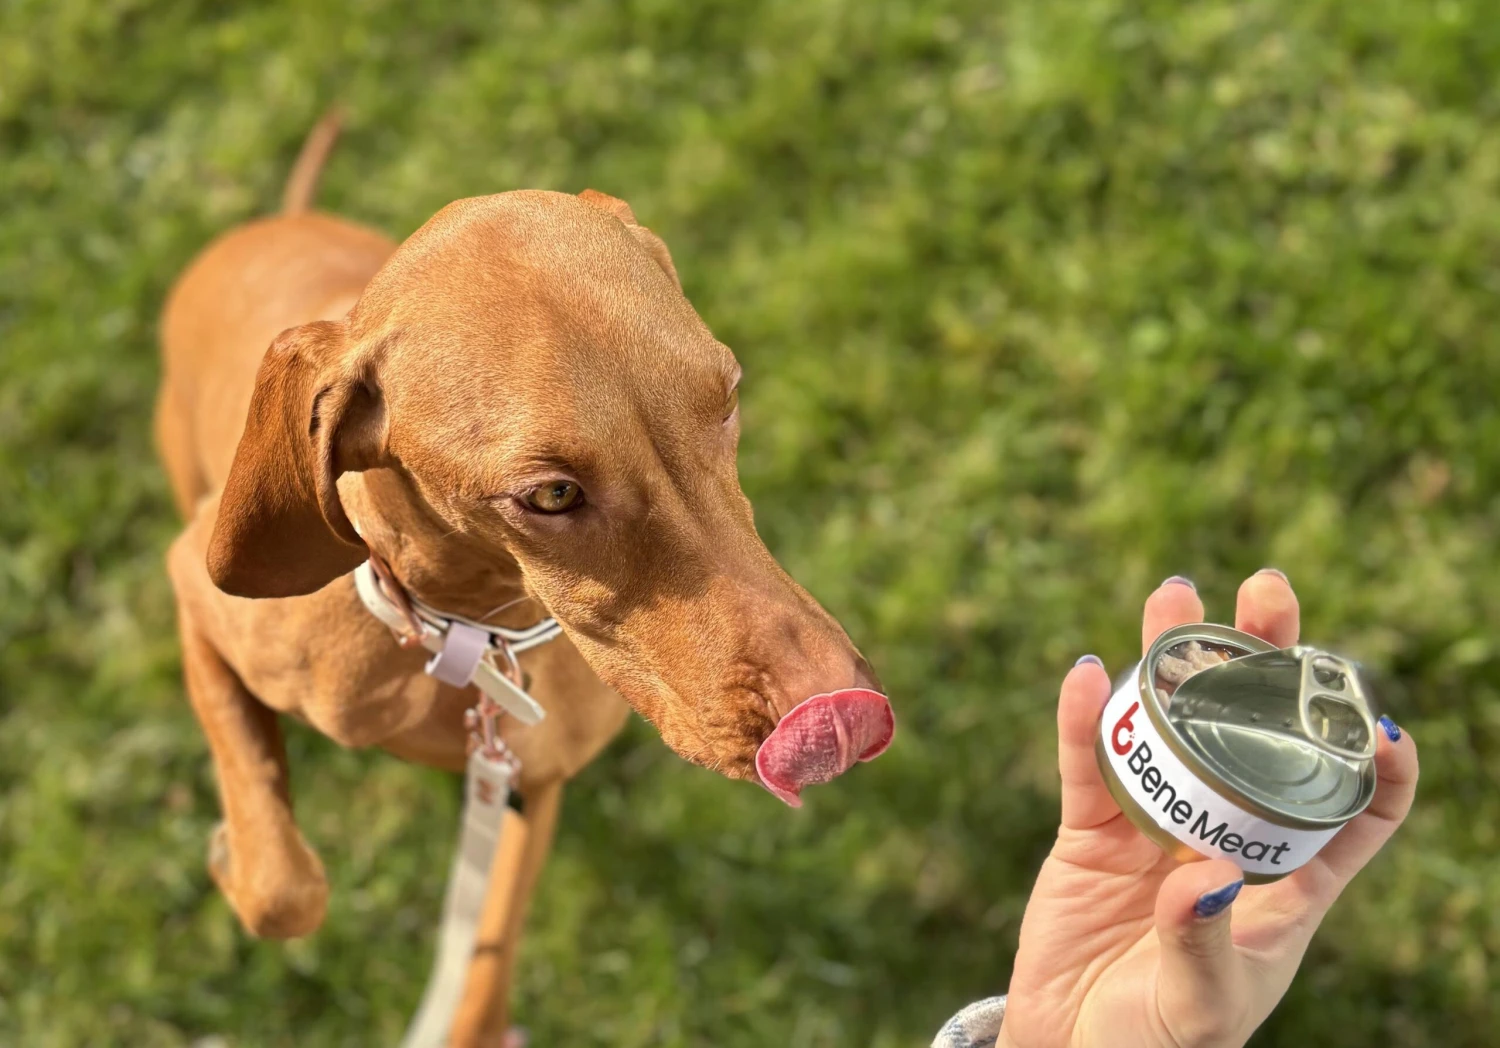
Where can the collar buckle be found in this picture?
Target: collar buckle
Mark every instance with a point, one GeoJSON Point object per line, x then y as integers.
{"type": "Point", "coordinates": [464, 652]}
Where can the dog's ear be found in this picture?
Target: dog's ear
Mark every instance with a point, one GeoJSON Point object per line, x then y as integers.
{"type": "Point", "coordinates": [649, 240]}
{"type": "Point", "coordinates": [281, 530]}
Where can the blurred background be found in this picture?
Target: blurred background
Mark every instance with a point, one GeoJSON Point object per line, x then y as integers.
{"type": "Point", "coordinates": [1037, 303]}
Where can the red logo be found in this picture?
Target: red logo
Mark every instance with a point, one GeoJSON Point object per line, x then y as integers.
{"type": "Point", "coordinates": [486, 791]}
{"type": "Point", "coordinates": [1128, 728]}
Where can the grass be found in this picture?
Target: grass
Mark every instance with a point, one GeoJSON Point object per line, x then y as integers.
{"type": "Point", "coordinates": [1037, 302]}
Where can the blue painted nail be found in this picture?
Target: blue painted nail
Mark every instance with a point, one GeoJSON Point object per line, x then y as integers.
{"type": "Point", "coordinates": [1096, 660]}
{"type": "Point", "coordinates": [1211, 904]}
{"type": "Point", "coordinates": [1277, 572]}
{"type": "Point", "coordinates": [1179, 580]}
{"type": "Point", "coordinates": [1389, 727]}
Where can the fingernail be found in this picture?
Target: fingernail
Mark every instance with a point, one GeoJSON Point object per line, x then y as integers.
{"type": "Point", "coordinates": [1277, 572]}
{"type": "Point", "coordinates": [1096, 660]}
{"type": "Point", "coordinates": [1211, 904]}
{"type": "Point", "coordinates": [1389, 727]}
{"type": "Point", "coordinates": [1179, 580]}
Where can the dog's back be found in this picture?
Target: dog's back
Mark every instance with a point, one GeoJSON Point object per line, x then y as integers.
{"type": "Point", "coordinates": [229, 305]}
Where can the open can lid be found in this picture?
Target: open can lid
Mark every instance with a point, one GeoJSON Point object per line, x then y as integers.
{"type": "Point", "coordinates": [1291, 730]}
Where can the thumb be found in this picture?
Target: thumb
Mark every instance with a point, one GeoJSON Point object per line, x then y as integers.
{"type": "Point", "coordinates": [1201, 992]}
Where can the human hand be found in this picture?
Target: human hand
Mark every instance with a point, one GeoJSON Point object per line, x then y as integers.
{"type": "Point", "coordinates": [1122, 947]}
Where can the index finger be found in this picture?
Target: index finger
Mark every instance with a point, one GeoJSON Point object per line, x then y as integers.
{"type": "Point", "coordinates": [1086, 801]}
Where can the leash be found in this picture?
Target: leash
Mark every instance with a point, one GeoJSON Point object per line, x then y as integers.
{"type": "Point", "coordinates": [463, 652]}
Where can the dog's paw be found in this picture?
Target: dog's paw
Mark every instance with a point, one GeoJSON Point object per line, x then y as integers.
{"type": "Point", "coordinates": [283, 896]}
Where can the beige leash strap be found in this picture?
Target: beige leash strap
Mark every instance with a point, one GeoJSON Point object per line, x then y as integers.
{"type": "Point", "coordinates": [466, 652]}
{"type": "Point", "coordinates": [475, 1021]}
{"type": "Point", "coordinates": [486, 796]}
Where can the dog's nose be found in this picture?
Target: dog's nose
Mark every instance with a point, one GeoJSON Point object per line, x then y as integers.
{"type": "Point", "coordinates": [823, 737]}
{"type": "Point", "coordinates": [864, 676]}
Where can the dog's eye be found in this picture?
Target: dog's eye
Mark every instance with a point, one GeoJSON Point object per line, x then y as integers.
{"type": "Point", "coordinates": [733, 405]}
{"type": "Point", "coordinates": [556, 496]}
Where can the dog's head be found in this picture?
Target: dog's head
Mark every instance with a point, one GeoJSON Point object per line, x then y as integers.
{"type": "Point", "coordinates": [527, 369]}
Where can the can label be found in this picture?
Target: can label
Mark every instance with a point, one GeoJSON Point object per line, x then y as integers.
{"type": "Point", "coordinates": [1185, 806]}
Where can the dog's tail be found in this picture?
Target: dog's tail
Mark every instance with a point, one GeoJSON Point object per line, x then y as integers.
{"type": "Point", "coordinates": [298, 194]}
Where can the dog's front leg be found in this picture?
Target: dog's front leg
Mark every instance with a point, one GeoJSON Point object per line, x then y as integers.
{"type": "Point", "coordinates": [272, 879]}
{"type": "Point", "coordinates": [483, 1014]}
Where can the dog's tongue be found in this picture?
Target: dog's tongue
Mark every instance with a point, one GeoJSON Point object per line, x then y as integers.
{"type": "Point", "coordinates": [821, 738]}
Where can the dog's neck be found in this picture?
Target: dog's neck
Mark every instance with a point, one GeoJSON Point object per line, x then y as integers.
{"type": "Point", "coordinates": [444, 570]}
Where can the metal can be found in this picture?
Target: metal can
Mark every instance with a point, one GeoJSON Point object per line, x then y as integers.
{"type": "Point", "coordinates": [1220, 745]}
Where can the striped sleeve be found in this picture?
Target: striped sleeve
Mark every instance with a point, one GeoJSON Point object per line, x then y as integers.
{"type": "Point", "coordinates": [977, 1026]}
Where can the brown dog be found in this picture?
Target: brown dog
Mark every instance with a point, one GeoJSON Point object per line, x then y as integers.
{"type": "Point", "coordinates": [519, 410]}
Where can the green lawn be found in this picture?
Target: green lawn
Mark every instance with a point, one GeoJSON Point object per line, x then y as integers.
{"type": "Point", "coordinates": [1038, 302]}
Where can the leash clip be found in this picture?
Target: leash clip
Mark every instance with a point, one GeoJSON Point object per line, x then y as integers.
{"type": "Point", "coordinates": [483, 718]}
{"type": "Point", "coordinates": [482, 721]}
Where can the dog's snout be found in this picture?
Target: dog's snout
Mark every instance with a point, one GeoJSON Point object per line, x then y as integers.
{"type": "Point", "coordinates": [760, 682]}
{"type": "Point", "coordinates": [835, 668]}
{"type": "Point", "coordinates": [802, 652]}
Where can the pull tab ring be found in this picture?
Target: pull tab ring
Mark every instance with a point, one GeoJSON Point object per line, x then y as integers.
{"type": "Point", "coordinates": [1349, 694]}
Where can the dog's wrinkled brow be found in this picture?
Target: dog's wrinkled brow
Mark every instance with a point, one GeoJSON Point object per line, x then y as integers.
{"type": "Point", "coordinates": [527, 472]}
